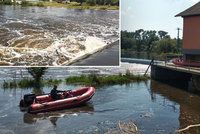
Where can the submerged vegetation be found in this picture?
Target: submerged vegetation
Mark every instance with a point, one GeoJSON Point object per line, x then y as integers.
{"type": "Point", "coordinates": [78, 4]}
{"type": "Point", "coordinates": [87, 80]}
{"type": "Point", "coordinates": [97, 80]}
{"type": "Point", "coordinates": [37, 81]}
{"type": "Point", "coordinates": [27, 83]}
{"type": "Point", "coordinates": [37, 72]}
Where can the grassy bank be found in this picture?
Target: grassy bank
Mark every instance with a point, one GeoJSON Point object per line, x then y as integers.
{"type": "Point", "coordinates": [78, 6]}
{"type": "Point", "coordinates": [95, 80]}
{"type": "Point", "coordinates": [71, 5]}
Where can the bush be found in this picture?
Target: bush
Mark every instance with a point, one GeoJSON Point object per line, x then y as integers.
{"type": "Point", "coordinates": [53, 82]}
{"type": "Point", "coordinates": [91, 2]}
{"type": "Point", "coordinates": [73, 3]}
{"type": "Point", "coordinates": [7, 2]}
{"type": "Point", "coordinates": [97, 80]}
{"type": "Point", "coordinates": [40, 4]}
{"type": "Point", "coordinates": [26, 3]}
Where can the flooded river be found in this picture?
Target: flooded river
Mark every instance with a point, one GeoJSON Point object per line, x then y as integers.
{"type": "Point", "coordinates": [53, 36]}
{"type": "Point", "coordinates": [154, 107]}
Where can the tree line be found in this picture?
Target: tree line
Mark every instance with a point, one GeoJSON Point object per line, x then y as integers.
{"type": "Point", "coordinates": [150, 41]}
{"type": "Point", "coordinates": [89, 2]}
{"type": "Point", "coordinates": [98, 2]}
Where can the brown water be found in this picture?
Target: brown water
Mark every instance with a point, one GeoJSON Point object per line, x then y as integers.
{"type": "Point", "coordinates": [53, 36]}
{"type": "Point", "coordinates": [154, 107]}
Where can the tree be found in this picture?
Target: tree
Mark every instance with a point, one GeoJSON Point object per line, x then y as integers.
{"type": "Point", "coordinates": [148, 42]}
{"type": "Point", "coordinates": [139, 41]}
{"type": "Point", "coordinates": [91, 2]}
{"type": "Point", "coordinates": [149, 39]}
{"type": "Point", "coordinates": [166, 46]}
{"type": "Point", "coordinates": [37, 72]}
{"type": "Point", "coordinates": [128, 40]}
{"type": "Point", "coordinates": [163, 34]}
{"type": "Point", "coordinates": [81, 1]}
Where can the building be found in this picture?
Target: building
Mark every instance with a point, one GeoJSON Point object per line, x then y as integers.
{"type": "Point", "coordinates": [191, 33]}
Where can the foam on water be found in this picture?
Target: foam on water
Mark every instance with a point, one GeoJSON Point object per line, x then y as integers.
{"type": "Point", "coordinates": [61, 52]}
{"type": "Point", "coordinates": [59, 40]}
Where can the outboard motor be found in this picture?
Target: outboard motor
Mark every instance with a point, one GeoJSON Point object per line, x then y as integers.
{"type": "Point", "coordinates": [28, 100]}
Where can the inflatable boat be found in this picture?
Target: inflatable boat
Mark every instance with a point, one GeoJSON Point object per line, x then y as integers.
{"type": "Point", "coordinates": [45, 103]}
{"type": "Point", "coordinates": [181, 62]}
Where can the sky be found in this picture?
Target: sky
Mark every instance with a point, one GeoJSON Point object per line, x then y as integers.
{"type": "Point", "coordinates": [154, 15]}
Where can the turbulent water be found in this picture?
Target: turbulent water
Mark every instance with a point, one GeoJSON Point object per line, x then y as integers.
{"type": "Point", "coordinates": [53, 36]}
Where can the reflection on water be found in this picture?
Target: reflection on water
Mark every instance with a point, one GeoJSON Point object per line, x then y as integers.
{"type": "Point", "coordinates": [53, 36]}
{"type": "Point", "coordinates": [37, 90]}
{"type": "Point", "coordinates": [189, 106]}
{"type": "Point", "coordinates": [54, 116]}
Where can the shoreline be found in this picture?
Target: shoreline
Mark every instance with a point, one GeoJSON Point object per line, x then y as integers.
{"type": "Point", "coordinates": [63, 5]}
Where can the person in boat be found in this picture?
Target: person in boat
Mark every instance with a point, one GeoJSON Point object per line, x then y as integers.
{"type": "Point", "coordinates": [54, 93]}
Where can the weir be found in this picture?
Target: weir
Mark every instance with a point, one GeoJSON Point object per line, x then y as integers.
{"type": "Point", "coordinates": [183, 77]}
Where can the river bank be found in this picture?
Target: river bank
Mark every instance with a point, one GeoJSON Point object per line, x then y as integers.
{"type": "Point", "coordinates": [71, 5]}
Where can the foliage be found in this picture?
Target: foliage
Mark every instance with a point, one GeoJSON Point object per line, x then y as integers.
{"type": "Point", "coordinates": [26, 83]}
{"type": "Point", "coordinates": [91, 2]}
{"type": "Point", "coordinates": [105, 80]}
{"type": "Point", "coordinates": [26, 3]}
{"type": "Point", "coordinates": [52, 82]}
{"type": "Point", "coordinates": [166, 46]}
{"type": "Point", "coordinates": [6, 2]}
{"type": "Point", "coordinates": [98, 2]}
{"type": "Point", "coordinates": [73, 4]}
{"type": "Point", "coordinates": [39, 4]}
{"type": "Point", "coordinates": [149, 41]}
{"type": "Point", "coordinates": [37, 72]}
{"type": "Point", "coordinates": [77, 4]}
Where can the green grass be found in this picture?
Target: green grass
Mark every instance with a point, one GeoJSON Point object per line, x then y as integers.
{"type": "Point", "coordinates": [21, 84]}
{"type": "Point", "coordinates": [26, 83]}
{"type": "Point", "coordinates": [27, 3]}
{"type": "Point", "coordinates": [52, 82]}
{"type": "Point", "coordinates": [75, 5]}
{"type": "Point", "coordinates": [96, 80]}
{"type": "Point", "coordinates": [70, 5]}
{"type": "Point", "coordinates": [87, 80]}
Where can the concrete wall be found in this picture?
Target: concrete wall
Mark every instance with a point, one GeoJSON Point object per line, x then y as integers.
{"type": "Point", "coordinates": [176, 78]}
{"type": "Point", "coordinates": [171, 77]}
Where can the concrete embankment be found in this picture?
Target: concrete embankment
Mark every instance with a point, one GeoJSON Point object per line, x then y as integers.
{"type": "Point", "coordinates": [109, 56]}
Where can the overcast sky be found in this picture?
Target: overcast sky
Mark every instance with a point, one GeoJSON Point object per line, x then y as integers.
{"type": "Point", "coordinates": [153, 14]}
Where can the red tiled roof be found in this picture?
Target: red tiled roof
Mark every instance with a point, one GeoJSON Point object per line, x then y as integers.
{"type": "Point", "coordinates": [192, 11]}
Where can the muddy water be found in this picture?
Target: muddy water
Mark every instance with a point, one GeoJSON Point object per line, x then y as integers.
{"type": "Point", "coordinates": [53, 36]}
{"type": "Point", "coordinates": [153, 106]}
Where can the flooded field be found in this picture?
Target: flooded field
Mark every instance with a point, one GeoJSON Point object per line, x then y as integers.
{"type": "Point", "coordinates": [154, 107]}
{"type": "Point", "coordinates": [53, 36]}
